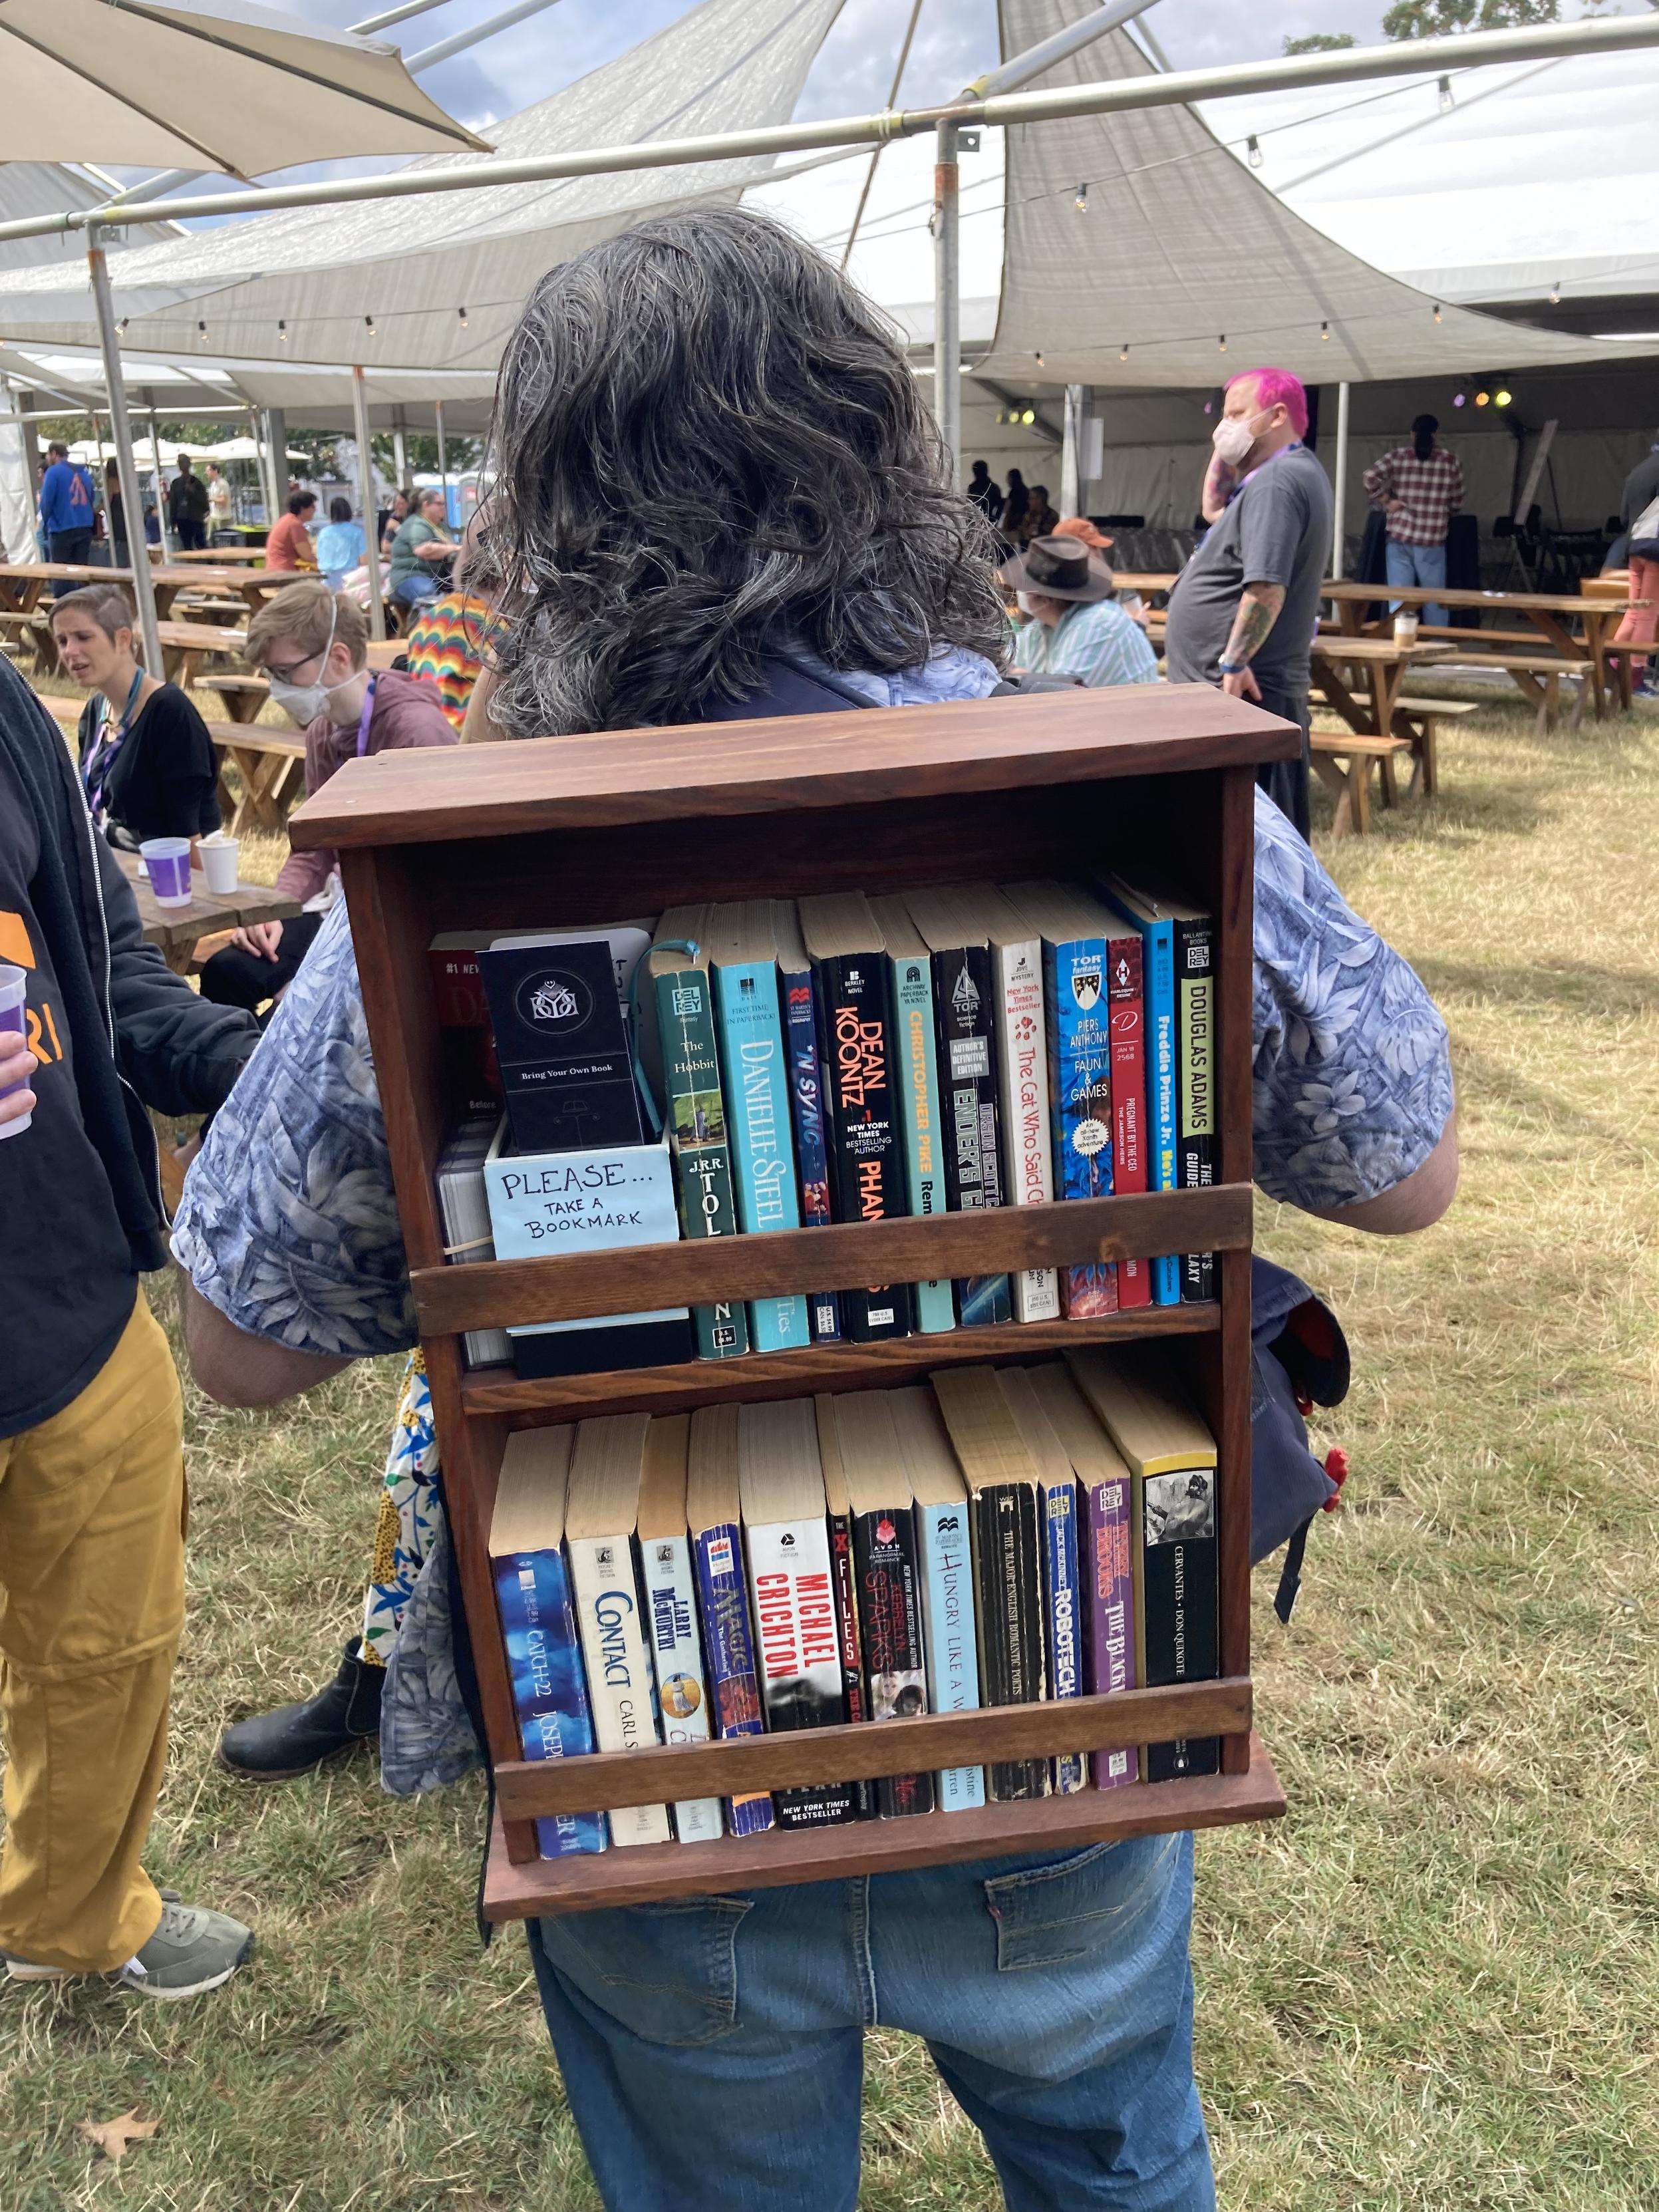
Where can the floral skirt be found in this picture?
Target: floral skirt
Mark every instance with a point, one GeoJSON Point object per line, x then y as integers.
{"type": "Point", "coordinates": [410, 1515]}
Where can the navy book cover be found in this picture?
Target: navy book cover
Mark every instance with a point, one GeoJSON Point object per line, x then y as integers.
{"type": "Point", "coordinates": [561, 1041]}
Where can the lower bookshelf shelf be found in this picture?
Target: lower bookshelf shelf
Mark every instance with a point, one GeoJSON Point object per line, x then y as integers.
{"type": "Point", "coordinates": [646, 1873]}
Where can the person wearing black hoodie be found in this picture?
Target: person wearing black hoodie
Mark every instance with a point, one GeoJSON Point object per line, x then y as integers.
{"type": "Point", "coordinates": [92, 1483]}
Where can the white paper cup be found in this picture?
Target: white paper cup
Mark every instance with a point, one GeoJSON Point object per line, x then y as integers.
{"type": "Point", "coordinates": [14, 1017]}
{"type": "Point", "coordinates": [219, 859]}
{"type": "Point", "coordinates": [167, 863]}
{"type": "Point", "coordinates": [1405, 629]}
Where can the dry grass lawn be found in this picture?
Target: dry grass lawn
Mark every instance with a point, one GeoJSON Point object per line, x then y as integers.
{"type": "Point", "coordinates": [1433, 1988]}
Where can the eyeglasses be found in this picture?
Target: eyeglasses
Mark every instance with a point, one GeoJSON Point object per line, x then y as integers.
{"type": "Point", "coordinates": [286, 674]}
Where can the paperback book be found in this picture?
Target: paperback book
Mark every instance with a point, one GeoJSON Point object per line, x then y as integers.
{"type": "Point", "coordinates": [888, 1581]}
{"type": "Point", "coordinates": [946, 1554]}
{"type": "Point", "coordinates": [808, 1099]}
{"type": "Point", "coordinates": [844, 1572]}
{"type": "Point", "coordinates": [714, 1514]}
{"type": "Point", "coordinates": [1157, 934]}
{"type": "Point", "coordinates": [911, 985]}
{"type": "Point", "coordinates": [671, 1610]}
{"type": "Point", "coordinates": [1063, 1605]}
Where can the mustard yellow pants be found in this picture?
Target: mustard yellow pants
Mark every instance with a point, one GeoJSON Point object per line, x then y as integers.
{"type": "Point", "coordinates": [92, 1601]}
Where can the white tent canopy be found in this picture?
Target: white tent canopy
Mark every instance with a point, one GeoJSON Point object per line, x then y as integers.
{"type": "Point", "coordinates": [316, 393]}
{"type": "Point", "coordinates": [440, 284]}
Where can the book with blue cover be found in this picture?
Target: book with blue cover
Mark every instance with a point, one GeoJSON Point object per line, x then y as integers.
{"type": "Point", "coordinates": [539, 1623]}
{"type": "Point", "coordinates": [806, 1092]}
{"type": "Point", "coordinates": [1154, 927]}
{"type": "Point", "coordinates": [754, 1073]}
{"type": "Point", "coordinates": [945, 1552]}
{"type": "Point", "coordinates": [916, 1061]}
{"type": "Point", "coordinates": [713, 1517]}
{"type": "Point", "coordinates": [1057, 1510]}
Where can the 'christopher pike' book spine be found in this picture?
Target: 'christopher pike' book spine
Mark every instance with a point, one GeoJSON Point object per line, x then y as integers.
{"type": "Point", "coordinates": [811, 1153]}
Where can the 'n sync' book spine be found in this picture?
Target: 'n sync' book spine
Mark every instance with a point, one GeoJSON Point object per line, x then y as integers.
{"type": "Point", "coordinates": [550, 1692]}
{"type": "Point", "coordinates": [962, 1013]}
{"type": "Point", "coordinates": [728, 1640]}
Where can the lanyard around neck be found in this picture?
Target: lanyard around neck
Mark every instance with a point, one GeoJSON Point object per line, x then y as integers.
{"type": "Point", "coordinates": [101, 759]}
{"type": "Point", "coordinates": [365, 718]}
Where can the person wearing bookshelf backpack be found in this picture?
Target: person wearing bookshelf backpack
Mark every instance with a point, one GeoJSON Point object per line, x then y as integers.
{"type": "Point", "coordinates": [720, 494]}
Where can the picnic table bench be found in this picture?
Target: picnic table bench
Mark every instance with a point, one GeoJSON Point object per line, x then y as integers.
{"type": "Point", "coordinates": [247, 588]}
{"type": "Point", "coordinates": [177, 929]}
{"type": "Point", "coordinates": [1343, 761]}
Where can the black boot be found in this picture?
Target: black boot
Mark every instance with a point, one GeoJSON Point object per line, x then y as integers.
{"type": "Point", "coordinates": [273, 1747]}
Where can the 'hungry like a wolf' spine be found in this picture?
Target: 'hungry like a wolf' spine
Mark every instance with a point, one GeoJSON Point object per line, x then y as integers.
{"type": "Point", "coordinates": [948, 1623]}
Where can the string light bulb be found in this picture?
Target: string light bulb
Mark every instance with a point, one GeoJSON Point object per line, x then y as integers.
{"type": "Point", "coordinates": [1437, 311]}
{"type": "Point", "coordinates": [368, 325]}
{"type": "Point", "coordinates": [282, 334]}
{"type": "Point", "coordinates": [1028, 417]}
{"type": "Point", "coordinates": [462, 312]}
{"type": "Point", "coordinates": [201, 334]}
{"type": "Point", "coordinates": [1555, 293]}
{"type": "Point", "coordinates": [1123, 353]}
{"type": "Point", "coordinates": [1253, 150]}
{"type": "Point", "coordinates": [1446, 103]}
{"type": "Point", "coordinates": [1082, 202]}
{"type": "Point", "coordinates": [1481, 398]}
{"type": "Point", "coordinates": [1324, 334]}
{"type": "Point", "coordinates": [1502, 399]}
{"type": "Point", "coordinates": [1222, 342]}
{"type": "Point", "coordinates": [1039, 361]}
{"type": "Point", "coordinates": [121, 327]}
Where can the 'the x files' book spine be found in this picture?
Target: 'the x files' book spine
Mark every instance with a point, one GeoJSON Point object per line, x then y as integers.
{"type": "Point", "coordinates": [549, 1693]}
{"type": "Point", "coordinates": [811, 1155]}
{"type": "Point", "coordinates": [670, 1616]}
{"type": "Point", "coordinates": [1177, 1598]}
{"type": "Point", "coordinates": [717, 1554]}
{"type": "Point", "coordinates": [963, 1019]}
{"type": "Point", "coordinates": [1080, 1102]}
{"type": "Point", "coordinates": [757, 1086]}
{"type": "Point", "coordinates": [947, 1604]}
{"type": "Point", "coordinates": [1065, 1615]}
{"type": "Point", "coordinates": [1128, 1019]}
{"type": "Point", "coordinates": [866, 1161]}
{"type": "Point", "coordinates": [1109, 1572]}
{"type": "Point", "coordinates": [890, 1607]}
{"type": "Point", "coordinates": [695, 1115]}
{"type": "Point", "coordinates": [1008, 1599]}
{"type": "Point", "coordinates": [1195, 968]}
{"type": "Point", "coordinates": [924, 1133]}
{"type": "Point", "coordinates": [619, 1675]}
{"type": "Point", "coordinates": [845, 1574]}
{"type": "Point", "coordinates": [794, 1603]}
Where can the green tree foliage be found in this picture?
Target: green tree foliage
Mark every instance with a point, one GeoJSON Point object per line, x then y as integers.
{"type": "Point", "coordinates": [1320, 42]}
{"type": "Point", "coordinates": [1440, 19]}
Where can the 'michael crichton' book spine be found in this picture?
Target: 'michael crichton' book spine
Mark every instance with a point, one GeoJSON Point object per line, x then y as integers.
{"type": "Point", "coordinates": [728, 1641]}
{"type": "Point", "coordinates": [890, 1607]}
{"type": "Point", "coordinates": [1195, 969]}
{"type": "Point", "coordinates": [963, 1018]}
{"type": "Point", "coordinates": [866, 1158]}
{"type": "Point", "coordinates": [794, 1596]}
{"type": "Point", "coordinates": [1127, 1022]}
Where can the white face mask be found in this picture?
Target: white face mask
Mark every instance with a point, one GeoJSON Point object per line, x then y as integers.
{"type": "Point", "coordinates": [1233, 437]}
{"type": "Point", "coordinates": [304, 701]}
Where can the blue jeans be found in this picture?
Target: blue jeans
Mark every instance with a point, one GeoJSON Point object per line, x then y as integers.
{"type": "Point", "coordinates": [1419, 564]}
{"type": "Point", "coordinates": [410, 590]}
{"type": "Point", "coordinates": [712, 2047]}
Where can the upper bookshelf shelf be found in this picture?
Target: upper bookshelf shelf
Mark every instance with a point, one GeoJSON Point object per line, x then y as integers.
{"type": "Point", "coordinates": [800, 761]}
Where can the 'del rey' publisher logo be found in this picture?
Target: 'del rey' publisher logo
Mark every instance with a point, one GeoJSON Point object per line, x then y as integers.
{"type": "Point", "coordinates": [554, 1002]}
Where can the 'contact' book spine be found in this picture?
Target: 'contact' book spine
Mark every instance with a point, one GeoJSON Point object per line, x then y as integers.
{"type": "Point", "coordinates": [1194, 975]}
{"type": "Point", "coordinates": [619, 1676]}
{"type": "Point", "coordinates": [729, 1644]}
{"type": "Point", "coordinates": [549, 1693]}
{"type": "Point", "coordinates": [1109, 1570]}
{"type": "Point", "coordinates": [948, 1621]}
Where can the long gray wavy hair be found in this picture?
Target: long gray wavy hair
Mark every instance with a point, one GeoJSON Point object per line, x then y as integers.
{"type": "Point", "coordinates": [706, 443]}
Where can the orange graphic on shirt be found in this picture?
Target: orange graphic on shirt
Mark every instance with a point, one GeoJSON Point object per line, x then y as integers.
{"type": "Point", "coordinates": [14, 946]}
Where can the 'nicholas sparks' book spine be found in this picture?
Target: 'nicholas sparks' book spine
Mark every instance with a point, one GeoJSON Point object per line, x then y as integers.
{"type": "Point", "coordinates": [967, 1082]}
{"type": "Point", "coordinates": [756, 1087]}
{"type": "Point", "coordinates": [890, 1607]}
{"type": "Point", "coordinates": [1194, 970]}
{"type": "Point", "coordinates": [1127, 1024]}
{"type": "Point", "coordinates": [696, 1113]}
{"type": "Point", "coordinates": [1109, 1573]}
{"type": "Point", "coordinates": [1060, 1563]}
{"type": "Point", "coordinates": [794, 1601]}
{"type": "Point", "coordinates": [924, 1156]}
{"type": "Point", "coordinates": [1177, 1595]}
{"type": "Point", "coordinates": [549, 1696]}
{"type": "Point", "coordinates": [947, 1613]}
{"type": "Point", "coordinates": [844, 1573]}
{"type": "Point", "coordinates": [619, 1676]}
{"type": "Point", "coordinates": [867, 1164]}
{"type": "Point", "coordinates": [1080, 1102]}
{"type": "Point", "coordinates": [1008, 1601]}
{"type": "Point", "coordinates": [1022, 1066]}
{"type": "Point", "coordinates": [717, 1555]}
{"type": "Point", "coordinates": [670, 1614]}
{"type": "Point", "coordinates": [812, 1154]}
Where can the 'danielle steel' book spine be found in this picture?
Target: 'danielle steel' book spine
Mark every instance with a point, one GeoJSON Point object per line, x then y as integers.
{"type": "Point", "coordinates": [1065, 1622]}
{"type": "Point", "coordinates": [962, 1016]}
{"type": "Point", "coordinates": [1195, 969]}
{"type": "Point", "coordinates": [948, 1621]}
{"type": "Point", "coordinates": [754, 1064]}
{"type": "Point", "coordinates": [1178, 1604]}
{"type": "Point", "coordinates": [1080, 1102]}
{"type": "Point", "coordinates": [1127, 1024]}
{"type": "Point", "coordinates": [1008, 1597]}
{"type": "Point", "coordinates": [795, 1600]}
{"type": "Point", "coordinates": [866, 1163]}
{"type": "Point", "coordinates": [912, 986]}
{"type": "Point", "coordinates": [696, 1113]}
{"type": "Point", "coordinates": [550, 1692]}
{"type": "Point", "coordinates": [671, 1621]}
{"type": "Point", "coordinates": [620, 1681]}
{"type": "Point", "coordinates": [811, 1153]}
{"type": "Point", "coordinates": [889, 1608]}
{"type": "Point", "coordinates": [845, 1574]}
{"type": "Point", "coordinates": [728, 1641]}
{"type": "Point", "coordinates": [1109, 1570]}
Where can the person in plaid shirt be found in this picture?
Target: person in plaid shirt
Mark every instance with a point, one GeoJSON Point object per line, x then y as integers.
{"type": "Point", "coordinates": [1419, 487]}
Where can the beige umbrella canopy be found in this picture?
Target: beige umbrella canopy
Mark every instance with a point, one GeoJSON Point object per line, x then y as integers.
{"type": "Point", "coordinates": [241, 91]}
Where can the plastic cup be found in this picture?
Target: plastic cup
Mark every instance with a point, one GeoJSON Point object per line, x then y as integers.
{"type": "Point", "coordinates": [167, 863]}
{"type": "Point", "coordinates": [13, 1016]}
{"type": "Point", "coordinates": [219, 858]}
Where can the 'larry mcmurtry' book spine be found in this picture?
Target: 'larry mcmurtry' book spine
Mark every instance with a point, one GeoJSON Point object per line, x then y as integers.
{"type": "Point", "coordinates": [671, 1623]}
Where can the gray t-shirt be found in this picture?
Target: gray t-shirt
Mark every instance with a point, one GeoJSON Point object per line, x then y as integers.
{"type": "Point", "coordinates": [1276, 531]}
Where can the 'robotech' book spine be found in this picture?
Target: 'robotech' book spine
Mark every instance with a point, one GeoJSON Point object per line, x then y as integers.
{"type": "Point", "coordinates": [1058, 1502]}
{"type": "Point", "coordinates": [549, 1693]}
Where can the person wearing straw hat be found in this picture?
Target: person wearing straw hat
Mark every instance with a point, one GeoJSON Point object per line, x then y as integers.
{"type": "Point", "coordinates": [1077, 627]}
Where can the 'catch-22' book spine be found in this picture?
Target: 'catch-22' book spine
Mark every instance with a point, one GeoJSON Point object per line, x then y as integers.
{"type": "Point", "coordinates": [867, 1164]}
{"type": "Point", "coordinates": [1194, 970]}
{"type": "Point", "coordinates": [968, 1080]}
{"type": "Point", "coordinates": [733, 1681]}
{"type": "Point", "coordinates": [538, 1628]}
{"type": "Point", "coordinates": [619, 1676]}
{"type": "Point", "coordinates": [812, 1149]}
{"type": "Point", "coordinates": [1178, 1600]}
{"type": "Point", "coordinates": [753, 1063]}
{"type": "Point", "coordinates": [696, 1130]}
{"type": "Point", "coordinates": [670, 1614]}
{"type": "Point", "coordinates": [947, 1612]}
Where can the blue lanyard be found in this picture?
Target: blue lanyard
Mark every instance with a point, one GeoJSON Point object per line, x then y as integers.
{"type": "Point", "coordinates": [101, 759]}
{"type": "Point", "coordinates": [365, 718]}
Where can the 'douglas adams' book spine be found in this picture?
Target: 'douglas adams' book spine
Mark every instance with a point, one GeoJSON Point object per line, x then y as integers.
{"type": "Point", "coordinates": [734, 1683]}
{"type": "Point", "coordinates": [1194, 972]}
{"type": "Point", "coordinates": [549, 1693]}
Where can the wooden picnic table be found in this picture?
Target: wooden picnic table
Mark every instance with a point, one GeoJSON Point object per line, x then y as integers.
{"type": "Point", "coordinates": [1142, 580]}
{"type": "Point", "coordinates": [176, 929]}
{"type": "Point", "coordinates": [1547, 613]}
{"type": "Point", "coordinates": [211, 553]}
{"type": "Point", "coordinates": [1383, 664]}
{"type": "Point", "coordinates": [23, 583]}
{"type": "Point", "coordinates": [186, 645]}
{"type": "Point", "coordinates": [252, 587]}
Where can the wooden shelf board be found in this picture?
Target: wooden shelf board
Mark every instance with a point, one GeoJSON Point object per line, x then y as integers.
{"type": "Point", "coordinates": [693, 1382]}
{"type": "Point", "coordinates": [644, 1873]}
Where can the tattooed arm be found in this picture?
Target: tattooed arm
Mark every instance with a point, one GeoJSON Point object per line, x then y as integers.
{"type": "Point", "coordinates": [1258, 610]}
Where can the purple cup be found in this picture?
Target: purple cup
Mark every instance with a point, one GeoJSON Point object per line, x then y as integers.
{"type": "Point", "coordinates": [14, 1017]}
{"type": "Point", "coordinates": [167, 863]}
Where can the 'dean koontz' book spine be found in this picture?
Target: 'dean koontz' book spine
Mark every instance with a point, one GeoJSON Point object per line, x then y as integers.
{"type": "Point", "coordinates": [812, 1154]}
{"type": "Point", "coordinates": [728, 1641]}
{"type": "Point", "coordinates": [1080, 1102]}
{"type": "Point", "coordinates": [754, 1064]}
{"type": "Point", "coordinates": [1178, 1626]}
{"type": "Point", "coordinates": [549, 1693]}
{"type": "Point", "coordinates": [844, 1573]}
{"type": "Point", "coordinates": [1064, 1611]}
{"type": "Point", "coordinates": [968, 1095]}
{"type": "Point", "coordinates": [889, 1608]}
{"type": "Point", "coordinates": [670, 1614]}
{"type": "Point", "coordinates": [1126, 1018]}
{"type": "Point", "coordinates": [794, 1600]}
{"type": "Point", "coordinates": [1108, 1571]}
{"type": "Point", "coordinates": [924, 1150]}
{"type": "Point", "coordinates": [1023, 1057]}
{"type": "Point", "coordinates": [1008, 1599]}
{"type": "Point", "coordinates": [1194, 974]}
{"type": "Point", "coordinates": [948, 1621]}
{"type": "Point", "coordinates": [619, 1675]}
{"type": "Point", "coordinates": [866, 1163]}
{"type": "Point", "coordinates": [696, 1113]}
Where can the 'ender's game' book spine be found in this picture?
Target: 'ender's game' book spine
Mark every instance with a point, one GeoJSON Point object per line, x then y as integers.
{"type": "Point", "coordinates": [756, 1088]}
{"type": "Point", "coordinates": [794, 1600]}
{"type": "Point", "coordinates": [811, 1155]}
{"type": "Point", "coordinates": [947, 1611]}
{"type": "Point", "coordinates": [1080, 1102]}
{"type": "Point", "coordinates": [1194, 969]}
{"type": "Point", "coordinates": [671, 1625]}
{"type": "Point", "coordinates": [866, 1163]}
{"type": "Point", "coordinates": [717, 1554]}
{"type": "Point", "coordinates": [1008, 1596]}
{"type": "Point", "coordinates": [1177, 1595]}
{"type": "Point", "coordinates": [963, 1014]}
{"type": "Point", "coordinates": [890, 1605]}
{"type": "Point", "coordinates": [924, 1134]}
{"type": "Point", "coordinates": [619, 1675]}
{"type": "Point", "coordinates": [1134, 1277]}
{"type": "Point", "coordinates": [696, 1113]}
{"type": "Point", "coordinates": [1110, 1576]}
{"type": "Point", "coordinates": [549, 1693]}
{"type": "Point", "coordinates": [845, 1574]}
{"type": "Point", "coordinates": [1064, 1611]}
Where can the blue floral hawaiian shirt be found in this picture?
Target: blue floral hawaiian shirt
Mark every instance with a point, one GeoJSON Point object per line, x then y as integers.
{"type": "Point", "coordinates": [289, 1225]}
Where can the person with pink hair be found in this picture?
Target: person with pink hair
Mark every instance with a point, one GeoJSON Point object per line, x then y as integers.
{"type": "Point", "coordinates": [1245, 609]}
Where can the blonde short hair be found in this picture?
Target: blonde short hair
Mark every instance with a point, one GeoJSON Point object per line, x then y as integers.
{"type": "Point", "coordinates": [301, 615]}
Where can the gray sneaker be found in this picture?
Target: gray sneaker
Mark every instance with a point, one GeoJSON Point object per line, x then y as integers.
{"type": "Point", "coordinates": [192, 1950]}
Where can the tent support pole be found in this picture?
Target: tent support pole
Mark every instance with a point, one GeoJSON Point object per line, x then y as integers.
{"type": "Point", "coordinates": [947, 298]}
{"type": "Point", "coordinates": [443, 454]}
{"type": "Point", "coordinates": [165, 542]}
{"type": "Point", "coordinates": [143, 591]}
{"type": "Point", "coordinates": [1070, 453]}
{"type": "Point", "coordinates": [399, 455]}
{"type": "Point", "coordinates": [366, 494]}
{"type": "Point", "coordinates": [102, 484]}
{"type": "Point", "coordinates": [1340, 534]}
